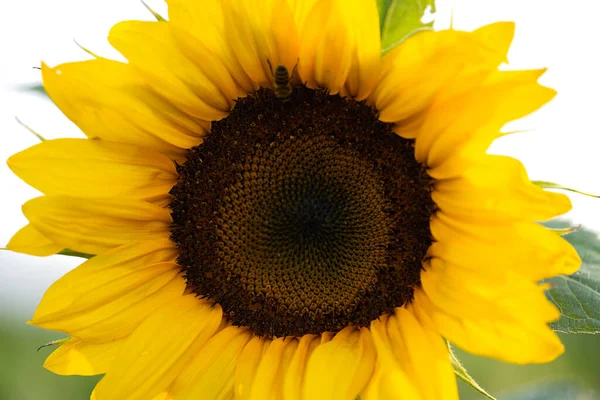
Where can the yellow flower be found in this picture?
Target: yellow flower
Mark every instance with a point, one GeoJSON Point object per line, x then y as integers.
{"type": "Point", "coordinates": [253, 243]}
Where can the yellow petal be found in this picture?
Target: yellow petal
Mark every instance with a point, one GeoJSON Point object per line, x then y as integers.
{"type": "Point", "coordinates": [120, 315]}
{"type": "Point", "coordinates": [219, 71]}
{"type": "Point", "coordinates": [499, 294]}
{"type": "Point", "coordinates": [526, 248]}
{"type": "Point", "coordinates": [77, 357]}
{"type": "Point", "coordinates": [204, 20]}
{"type": "Point", "coordinates": [159, 349]}
{"type": "Point", "coordinates": [341, 368]}
{"type": "Point", "coordinates": [108, 100]}
{"type": "Point", "coordinates": [390, 381]}
{"type": "Point", "coordinates": [496, 37]}
{"type": "Point", "coordinates": [294, 376]}
{"type": "Point", "coordinates": [94, 168]}
{"type": "Point", "coordinates": [428, 64]}
{"type": "Point", "coordinates": [363, 20]}
{"type": "Point", "coordinates": [301, 10]}
{"type": "Point", "coordinates": [195, 88]}
{"type": "Point", "coordinates": [210, 374]}
{"type": "Point", "coordinates": [412, 76]}
{"type": "Point", "coordinates": [496, 188]}
{"type": "Point", "coordinates": [505, 340]}
{"type": "Point", "coordinates": [246, 368]}
{"type": "Point", "coordinates": [288, 356]}
{"type": "Point", "coordinates": [423, 355]}
{"type": "Point", "coordinates": [96, 225]}
{"type": "Point", "coordinates": [259, 31]}
{"type": "Point", "coordinates": [29, 240]}
{"type": "Point", "coordinates": [470, 121]}
{"type": "Point", "coordinates": [160, 396]}
{"type": "Point", "coordinates": [206, 23]}
{"type": "Point", "coordinates": [121, 263]}
{"type": "Point", "coordinates": [109, 295]}
{"type": "Point", "coordinates": [340, 47]}
{"type": "Point", "coordinates": [265, 384]}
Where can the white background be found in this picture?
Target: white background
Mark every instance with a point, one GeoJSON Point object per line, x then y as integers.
{"type": "Point", "coordinates": [561, 147]}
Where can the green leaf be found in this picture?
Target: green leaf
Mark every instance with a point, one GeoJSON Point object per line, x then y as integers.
{"type": "Point", "coordinates": [71, 253]}
{"type": "Point", "coordinates": [552, 185]}
{"type": "Point", "coordinates": [462, 373]}
{"type": "Point", "coordinates": [578, 296]}
{"type": "Point", "coordinates": [401, 18]}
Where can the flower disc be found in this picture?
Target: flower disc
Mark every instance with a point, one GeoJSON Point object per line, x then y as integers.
{"type": "Point", "coordinates": [313, 219]}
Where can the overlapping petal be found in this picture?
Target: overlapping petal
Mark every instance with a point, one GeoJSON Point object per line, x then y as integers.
{"type": "Point", "coordinates": [107, 297]}
{"type": "Point", "coordinates": [260, 32]}
{"type": "Point", "coordinates": [159, 349]}
{"type": "Point", "coordinates": [293, 380]}
{"type": "Point", "coordinates": [497, 189]}
{"type": "Point", "coordinates": [505, 339]}
{"type": "Point", "coordinates": [108, 100]}
{"type": "Point", "coordinates": [265, 382]}
{"type": "Point", "coordinates": [342, 367]}
{"type": "Point", "coordinates": [203, 88]}
{"type": "Point", "coordinates": [95, 168]}
{"type": "Point", "coordinates": [421, 68]}
{"type": "Point", "coordinates": [340, 47]}
{"type": "Point", "coordinates": [210, 374]}
{"type": "Point", "coordinates": [94, 225]}
{"type": "Point", "coordinates": [414, 351]}
{"type": "Point", "coordinates": [29, 240]}
{"type": "Point", "coordinates": [247, 364]}
{"type": "Point", "coordinates": [77, 357]}
{"type": "Point", "coordinates": [205, 21]}
{"type": "Point", "coordinates": [543, 252]}
{"type": "Point", "coordinates": [468, 122]}
{"type": "Point", "coordinates": [502, 294]}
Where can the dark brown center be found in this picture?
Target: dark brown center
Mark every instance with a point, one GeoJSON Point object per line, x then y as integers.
{"type": "Point", "coordinates": [302, 217]}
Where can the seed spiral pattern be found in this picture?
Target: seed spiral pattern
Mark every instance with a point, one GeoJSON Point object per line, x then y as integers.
{"type": "Point", "coordinates": [302, 217]}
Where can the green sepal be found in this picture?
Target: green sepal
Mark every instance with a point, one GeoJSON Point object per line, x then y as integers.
{"type": "Point", "coordinates": [71, 253]}
{"type": "Point", "coordinates": [88, 51]}
{"type": "Point", "coordinates": [564, 231]}
{"type": "Point", "coordinates": [37, 135]}
{"type": "Point", "coordinates": [462, 373]}
{"type": "Point", "coordinates": [66, 252]}
{"type": "Point", "coordinates": [156, 15]}
{"type": "Point", "coordinates": [399, 19]}
{"type": "Point", "coordinates": [57, 342]}
{"type": "Point", "coordinates": [552, 185]}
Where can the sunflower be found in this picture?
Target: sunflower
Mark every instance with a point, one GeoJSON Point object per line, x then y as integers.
{"type": "Point", "coordinates": [274, 210]}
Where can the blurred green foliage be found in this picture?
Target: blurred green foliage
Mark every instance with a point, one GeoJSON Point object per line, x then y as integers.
{"type": "Point", "coordinates": [576, 372]}
{"type": "Point", "coordinates": [22, 375]}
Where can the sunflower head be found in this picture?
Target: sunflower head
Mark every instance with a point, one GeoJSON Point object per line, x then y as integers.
{"type": "Point", "coordinates": [276, 210]}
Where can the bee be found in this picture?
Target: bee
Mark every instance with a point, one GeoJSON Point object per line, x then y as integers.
{"type": "Point", "coordinates": [283, 81]}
